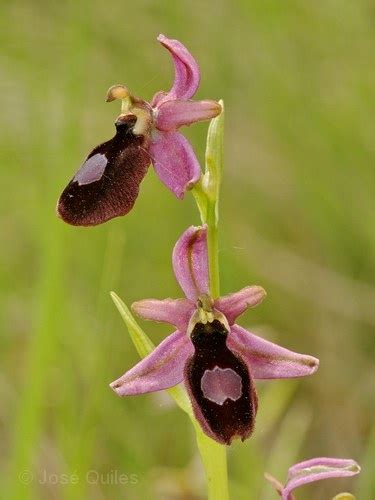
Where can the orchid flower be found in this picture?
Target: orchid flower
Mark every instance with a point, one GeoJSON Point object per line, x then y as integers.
{"type": "Point", "coordinates": [107, 184]}
{"type": "Point", "coordinates": [217, 359]}
{"type": "Point", "coordinates": [313, 470]}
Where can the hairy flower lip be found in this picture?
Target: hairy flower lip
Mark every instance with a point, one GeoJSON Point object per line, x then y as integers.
{"type": "Point", "coordinates": [160, 370]}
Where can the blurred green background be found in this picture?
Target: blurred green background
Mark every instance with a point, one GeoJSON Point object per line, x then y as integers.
{"type": "Point", "coordinates": [297, 216]}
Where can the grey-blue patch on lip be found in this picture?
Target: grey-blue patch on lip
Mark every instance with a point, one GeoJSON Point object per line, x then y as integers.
{"type": "Point", "coordinates": [92, 170]}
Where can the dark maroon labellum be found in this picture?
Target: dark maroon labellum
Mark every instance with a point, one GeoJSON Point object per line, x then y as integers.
{"type": "Point", "coordinates": [220, 385]}
{"type": "Point", "coordinates": [107, 184]}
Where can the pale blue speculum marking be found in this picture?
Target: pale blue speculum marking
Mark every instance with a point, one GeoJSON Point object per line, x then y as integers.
{"type": "Point", "coordinates": [221, 384]}
{"type": "Point", "coordinates": [92, 170]}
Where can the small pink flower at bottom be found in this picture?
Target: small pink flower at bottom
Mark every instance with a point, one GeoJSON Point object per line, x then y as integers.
{"type": "Point", "coordinates": [313, 470]}
{"type": "Point", "coordinates": [217, 359]}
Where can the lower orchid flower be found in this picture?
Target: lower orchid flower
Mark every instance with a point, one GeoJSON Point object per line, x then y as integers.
{"type": "Point", "coordinates": [217, 359]}
{"type": "Point", "coordinates": [313, 470]}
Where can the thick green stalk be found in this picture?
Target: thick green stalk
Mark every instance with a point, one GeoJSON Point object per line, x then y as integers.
{"type": "Point", "coordinates": [206, 194]}
{"type": "Point", "coordinates": [201, 200]}
{"type": "Point", "coordinates": [214, 458]}
{"type": "Point", "coordinates": [213, 249]}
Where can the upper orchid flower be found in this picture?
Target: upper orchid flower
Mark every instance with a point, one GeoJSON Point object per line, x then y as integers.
{"type": "Point", "coordinates": [107, 184]}
{"type": "Point", "coordinates": [217, 359]}
{"type": "Point", "coordinates": [313, 470]}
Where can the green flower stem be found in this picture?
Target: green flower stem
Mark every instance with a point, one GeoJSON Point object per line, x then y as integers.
{"type": "Point", "coordinates": [213, 249]}
{"type": "Point", "coordinates": [206, 193]}
{"type": "Point", "coordinates": [214, 458]}
{"type": "Point", "coordinates": [201, 200]}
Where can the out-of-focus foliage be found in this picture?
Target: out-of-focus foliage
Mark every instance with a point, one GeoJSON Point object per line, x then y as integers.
{"type": "Point", "coordinates": [297, 216]}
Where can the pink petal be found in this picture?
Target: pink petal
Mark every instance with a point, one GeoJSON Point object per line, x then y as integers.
{"type": "Point", "coordinates": [234, 304]}
{"type": "Point", "coordinates": [175, 311]}
{"type": "Point", "coordinates": [223, 398]}
{"type": "Point", "coordinates": [175, 162]}
{"type": "Point", "coordinates": [317, 469]}
{"type": "Point", "coordinates": [268, 360]}
{"type": "Point", "coordinates": [327, 462]}
{"type": "Point", "coordinates": [190, 262]}
{"type": "Point", "coordinates": [173, 114]}
{"type": "Point", "coordinates": [161, 369]}
{"type": "Point", "coordinates": [187, 74]}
